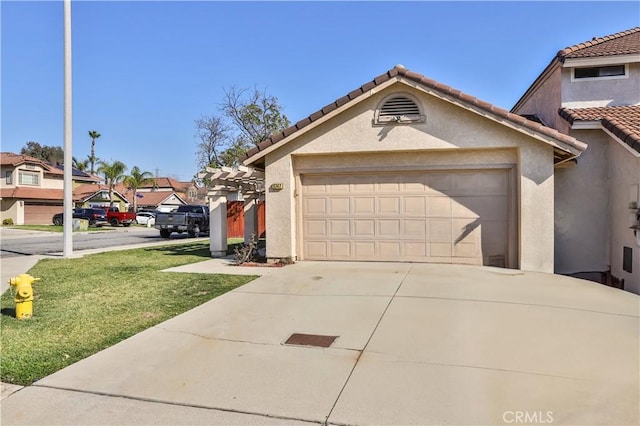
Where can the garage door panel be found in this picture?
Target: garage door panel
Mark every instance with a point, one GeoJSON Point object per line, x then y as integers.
{"type": "Point", "coordinates": [389, 228]}
{"type": "Point", "coordinates": [315, 206]}
{"type": "Point", "coordinates": [340, 249]}
{"type": "Point", "coordinates": [490, 207]}
{"type": "Point", "coordinates": [339, 205]}
{"type": "Point", "coordinates": [439, 230]}
{"type": "Point", "coordinates": [364, 205]}
{"type": "Point", "coordinates": [416, 228]}
{"type": "Point", "coordinates": [440, 216]}
{"type": "Point", "coordinates": [339, 228]}
{"type": "Point", "coordinates": [316, 249]}
{"type": "Point", "coordinates": [439, 207]}
{"type": "Point", "coordinates": [364, 228]}
{"type": "Point", "coordinates": [389, 205]}
{"type": "Point", "coordinates": [389, 249]}
{"type": "Point", "coordinates": [414, 205]}
{"type": "Point", "coordinates": [364, 250]}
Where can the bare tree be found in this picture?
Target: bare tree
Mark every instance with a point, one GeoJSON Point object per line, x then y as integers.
{"type": "Point", "coordinates": [213, 135]}
{"type": "Point", "coordinates": [255, 114]}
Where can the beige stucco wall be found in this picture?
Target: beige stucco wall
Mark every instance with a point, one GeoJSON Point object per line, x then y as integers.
{"type": "Point", "coordinates": [625, 188]}
{"type": "Point", "coordinates": [582, 208]}
{"type": "Point", "coordinates": [545, 101]}
{"type": "Point", "coordinates": [443, 139]}
{"type": "Point", "coordinates": [11, 209]}
{"type": "Point", "coordinates": [609, 91]}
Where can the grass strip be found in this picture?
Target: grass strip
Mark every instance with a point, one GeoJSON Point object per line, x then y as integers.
{"type": "Point", "coordinates": [85, 305]}
{"type": "Point", "coordinates": [55, 228]}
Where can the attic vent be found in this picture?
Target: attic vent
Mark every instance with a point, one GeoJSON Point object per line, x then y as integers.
{"type": "Point", "coordinates": [399, 109]}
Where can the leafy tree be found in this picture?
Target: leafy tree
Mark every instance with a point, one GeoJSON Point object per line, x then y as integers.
{"type": "Point", "coordinates": [81, 165]}
{"type": "Point", "coordinates": [50, 154]}
{"type": "Point", "coordinates": [92, 158]}
{"type": "Point", "coordinates": [113, 174]}
{"type": "Point", "coordinates": [249, 116]}
{"type": "Point", "coordinates": [214, 137]}
{"type": "Point", "coordinates": [135, 180]}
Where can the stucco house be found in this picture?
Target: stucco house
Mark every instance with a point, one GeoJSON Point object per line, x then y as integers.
{"type": "Point", "coordinates": [405, 168]}
{"type": "Point", "coordinates": [31, 190]}
{"type": "Point", "coordinates": [161, 193]}
{"type": "Point", "coordinates": [591, 91]}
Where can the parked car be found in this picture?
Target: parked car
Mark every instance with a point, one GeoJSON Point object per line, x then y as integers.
{"type": "Point", "coordinates": [144, 218]}
{"type": "Point", "coordinates": [96, 217]}
{"type": "Point", "coordinates": [115, 217]}
{"type": "Point", "coordinates": [188, 218]}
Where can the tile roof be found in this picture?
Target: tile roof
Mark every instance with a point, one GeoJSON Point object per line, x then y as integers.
{"type": "Point", "coordinates": [400, 71]}
{"type": "Point", "coordinates": [622, 43]}
{"type": "Point", "coordinates": [11, 159]}
{"type": "Point", "coordinates": [622, 121]}
{"type": "Point", "coordinates": [155, 198]}
{"type": "Point", "coordinates": [167, 182]}
{"type": "Point", "coordinates": [26, 193]}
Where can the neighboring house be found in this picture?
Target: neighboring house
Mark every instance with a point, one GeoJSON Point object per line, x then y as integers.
{"type": "Point", "coordinates": [32, 190]}
{"type": "Point", "coordinates": [407, 169]}
{"type": "Point", "coordinates": [97, 196]}
{"type": "Point", "coordinates": [591, 91]}
{"type": "Point", "coordinates": [162, 194]}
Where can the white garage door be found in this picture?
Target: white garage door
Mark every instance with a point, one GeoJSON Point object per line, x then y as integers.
{"type": "Point", "coordinates": [443, 217]}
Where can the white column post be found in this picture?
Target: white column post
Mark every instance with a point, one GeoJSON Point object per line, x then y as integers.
{"type": "Point", "coordinates": [218, 223]}
{"type": "Point", "coordinates": [250, 217]}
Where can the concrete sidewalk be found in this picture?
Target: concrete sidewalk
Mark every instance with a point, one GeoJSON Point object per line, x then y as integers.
{"type": "Point", "coordinates": [416, 344]}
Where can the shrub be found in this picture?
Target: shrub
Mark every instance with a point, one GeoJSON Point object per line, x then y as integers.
{"type": "Point", "coordinates": [7, 221]}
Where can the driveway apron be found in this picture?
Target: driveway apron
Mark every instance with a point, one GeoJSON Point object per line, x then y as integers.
{"type": "Point", "coordinates": [416, 344]}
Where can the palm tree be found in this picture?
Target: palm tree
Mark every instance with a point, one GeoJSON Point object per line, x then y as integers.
{"type": "Point", "coordinates": [135, 180]}
{"type": "Point", "coordinates": [93, 135]}
{"type": "Point", "coordinates": [113, 174]}
{"type": "Point", "coordinates": [80, 165]}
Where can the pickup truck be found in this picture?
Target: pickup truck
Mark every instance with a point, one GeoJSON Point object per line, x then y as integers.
{"type": "Point", "coordinates": [188, 218]}
{"type": "Point", "coordinates": [115, 217]}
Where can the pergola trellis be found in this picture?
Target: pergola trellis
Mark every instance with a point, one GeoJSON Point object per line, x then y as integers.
{"type": "Point", "coordinates": [220, 182]}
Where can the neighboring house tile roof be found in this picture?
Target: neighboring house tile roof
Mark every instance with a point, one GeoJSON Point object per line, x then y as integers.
{"type": "Point", "coordinates": [88, 190]}
{"type": "Point", "coordinates": [167, 182]}
{"type": "Point", "coordinates": [622, 121]}
{"type": "Point", "coordinates": [400, 71]}
{"type": "Point", "coordinates": [11, 159]}
{"type": "Point", "coordinates": [622, 43]}
{"type": "Point", "coordinates": [155, 198]}
{"type": "Point", "coordinates": [14, 160]}
{"type": "Point", "coordinates": [26, 193]}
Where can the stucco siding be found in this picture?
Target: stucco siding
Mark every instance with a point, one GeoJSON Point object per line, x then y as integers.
{"type": "Point", "coordinates": [536, 208]}
{"type": "Point", "coordinates": [11, 209]}
{"type": "Point", "coordinates": [451, 138]}
{"type": "Point", "coordinates": [582, 208]}
{"type": "Point", "coordinates": [545, 100]}
{"type": "Point", "coordinates": [609, 92]}
{"type": "Point", "coordinates": [625, 188]}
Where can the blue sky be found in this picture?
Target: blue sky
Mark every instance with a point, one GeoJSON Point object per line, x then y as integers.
{"type": "Point", "coordinates": [144, 71]}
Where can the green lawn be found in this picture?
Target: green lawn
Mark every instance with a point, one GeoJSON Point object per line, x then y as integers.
{"type": "Point", "coordinates": [53, 228]}
{"type": "Point", "coordinates": [85, 305]}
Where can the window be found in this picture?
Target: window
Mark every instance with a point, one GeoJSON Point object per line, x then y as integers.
{"type": "Point", "coordinates": [25, 178]}
{"type": "Point", "coordinates": [193, 193]}
{"type": "Point", "coordinates": [598, 72]}
{"type": "Point", "coordinates": [9, 177]}
{"type": "Point", "coordinates": [398, 109]}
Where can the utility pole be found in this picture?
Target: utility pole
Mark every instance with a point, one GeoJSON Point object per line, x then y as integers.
{"type": "Point", "coordinates": [68, 157]}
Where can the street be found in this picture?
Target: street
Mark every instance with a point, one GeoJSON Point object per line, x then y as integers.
{"type": "Point", "coordinates": [24, 243]}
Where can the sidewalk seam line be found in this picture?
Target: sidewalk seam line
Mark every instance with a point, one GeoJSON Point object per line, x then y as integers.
{"type": "Point", "coordinates": [159, 401]}
{"type": "Point", "coordinates": [367, 344]}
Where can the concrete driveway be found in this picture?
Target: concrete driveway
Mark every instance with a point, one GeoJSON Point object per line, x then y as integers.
{"type": "Point", "coordinates": [416, 344]}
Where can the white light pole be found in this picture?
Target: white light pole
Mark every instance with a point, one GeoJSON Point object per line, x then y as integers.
{"type": "Point", "coordinates": [68, 157]}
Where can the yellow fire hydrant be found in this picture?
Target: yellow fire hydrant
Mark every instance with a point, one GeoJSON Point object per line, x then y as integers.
{"type": "Point", "coordinates": [23, 295]}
